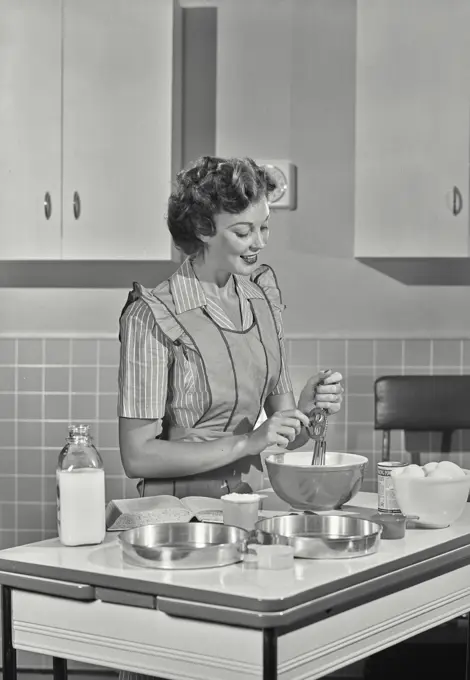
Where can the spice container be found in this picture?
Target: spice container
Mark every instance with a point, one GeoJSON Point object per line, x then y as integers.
{"type": "Point", "coordinates": [80, 490]}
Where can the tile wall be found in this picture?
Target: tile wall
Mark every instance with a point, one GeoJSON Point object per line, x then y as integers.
{"type": "Point", "coordinates": [46, 383]}
{"type": "Point", "coordinates": [361, 362]}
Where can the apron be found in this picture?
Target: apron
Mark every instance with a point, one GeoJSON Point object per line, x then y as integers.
{"type": "Point", "coordinates": [242, 369]}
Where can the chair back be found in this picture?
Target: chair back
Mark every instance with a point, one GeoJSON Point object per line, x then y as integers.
{"type": "Point", "coordinates": [426, 403]}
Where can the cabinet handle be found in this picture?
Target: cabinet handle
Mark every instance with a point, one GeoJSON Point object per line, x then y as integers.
{"type": "Point", "coordinates": [457, 201]}
{"type": "Point", "coordinates": [77, 206]}
{"type": "Point", "coordinates": [47, 205]}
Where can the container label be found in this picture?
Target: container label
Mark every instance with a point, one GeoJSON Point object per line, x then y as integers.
{"type": "Point", "coordinates": [386, 493]}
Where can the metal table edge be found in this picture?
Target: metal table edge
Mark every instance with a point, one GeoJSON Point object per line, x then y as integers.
{"type": "Point", "coordinates": [250, 605]}
{"type": "Point", "coordinates": [47, 586]}
{"type": "Point", "coordinates": [323, 607]}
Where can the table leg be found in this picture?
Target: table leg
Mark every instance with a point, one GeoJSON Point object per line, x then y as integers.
{"type": "Point", "coordinates": [270, 654]}
{"type": "Point", "coordinates": [467, 660]}
{"type": "Point", "coordinates": [59, 667]}
{"type": "Point", "coordinates": [9, 652]}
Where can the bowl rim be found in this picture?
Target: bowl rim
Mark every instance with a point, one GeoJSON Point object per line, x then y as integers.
{"type": "Point", "coordinates": [357, 462]}
{"type": "Point", "coordinates": [434, 480]}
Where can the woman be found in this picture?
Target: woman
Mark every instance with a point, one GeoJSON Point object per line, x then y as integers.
{"type": "Point", "coordinates": [203, 353]}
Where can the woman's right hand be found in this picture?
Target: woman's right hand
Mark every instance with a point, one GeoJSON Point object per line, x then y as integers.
{"type": "Point", "coordinates": [281, 428]}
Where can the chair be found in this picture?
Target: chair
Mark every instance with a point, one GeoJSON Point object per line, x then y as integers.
{"type": "Point", "coordinates": [421, 403]}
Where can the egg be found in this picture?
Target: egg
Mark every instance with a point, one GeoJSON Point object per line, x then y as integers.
{"type": "Point", "coordinates": [413, 471]}
{"type": "Point", "coordinates": [450, 469]}
{"type": "Point", "coordinates": [430, 467]}
{"type": "Point", "coordinates": [440, 474]}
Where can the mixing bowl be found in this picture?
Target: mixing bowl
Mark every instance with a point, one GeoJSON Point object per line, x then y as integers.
{"type": "Point", "coordinates": [435, 502]}
{"type": "Point", "coordinates": [315, 487]}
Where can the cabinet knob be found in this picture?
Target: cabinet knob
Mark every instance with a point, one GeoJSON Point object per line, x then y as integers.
{"type": "Point", "coordinates": [77, 206]}
{"type": "Point", "coordinates": [47, 205]}
{"type": "Point", "coordinates": [457, 201]}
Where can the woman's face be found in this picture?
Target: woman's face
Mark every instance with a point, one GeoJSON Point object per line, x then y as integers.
{"type": "Point", "coordinates": [238, 240]}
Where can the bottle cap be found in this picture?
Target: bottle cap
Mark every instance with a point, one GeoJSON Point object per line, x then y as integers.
{"type": "Point", "coordinates": [79, 430]}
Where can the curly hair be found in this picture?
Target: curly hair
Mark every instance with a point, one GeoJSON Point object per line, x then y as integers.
{"type": "Point", "coordinates": [209, 187]}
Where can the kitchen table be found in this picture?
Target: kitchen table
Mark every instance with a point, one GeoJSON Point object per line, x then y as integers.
{"type": "Point", "coordinates": [234, 622]}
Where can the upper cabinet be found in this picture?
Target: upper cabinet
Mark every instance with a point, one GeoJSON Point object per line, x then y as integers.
{"type": "Point", "coordinates": [30, 129]}
{"type": "Point", "coordinates": [412, 129]}
{"type": "Point", "coordinates": [89, 127]}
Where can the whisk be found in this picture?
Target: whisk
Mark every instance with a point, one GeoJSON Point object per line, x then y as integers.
{"type": "Point", "coordinates": [318, 418]}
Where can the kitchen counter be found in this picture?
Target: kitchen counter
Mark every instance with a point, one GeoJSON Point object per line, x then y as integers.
{"type": "Point", "coordinates": [313, 617]}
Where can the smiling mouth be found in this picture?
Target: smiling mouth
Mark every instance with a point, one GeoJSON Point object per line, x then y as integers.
{"type": "Point", "coordinates": [249, 259]}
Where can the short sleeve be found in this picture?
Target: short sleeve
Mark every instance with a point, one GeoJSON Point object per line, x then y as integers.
{"type": "Point", "coordinates": [143, 366]}
{"type": "Point", "coordinates": [266, 279]}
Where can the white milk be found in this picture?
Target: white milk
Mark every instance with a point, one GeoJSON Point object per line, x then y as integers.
{"type": "Point", "coordinates": [81, 506]}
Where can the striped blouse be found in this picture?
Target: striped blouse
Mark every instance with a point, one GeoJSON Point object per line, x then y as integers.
{"type": "Point", "coordinates": [157, 378]}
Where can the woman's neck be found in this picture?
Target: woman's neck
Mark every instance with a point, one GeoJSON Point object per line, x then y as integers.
{"type": "Point", "coordinates": [213, 281]}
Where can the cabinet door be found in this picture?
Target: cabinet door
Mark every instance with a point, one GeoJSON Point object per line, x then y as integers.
{"type": "Point", "coordinates": [412, 128]}
{"type": "Point", "coordinates": [30, 130]}
{"type": "Point", "coordinates": [117, 143]}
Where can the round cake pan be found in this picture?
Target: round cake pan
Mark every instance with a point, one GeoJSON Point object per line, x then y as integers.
{"type": "Point", "coordinates": [332, 536]}
{"type": "Point", "coordinates": [194, 545]}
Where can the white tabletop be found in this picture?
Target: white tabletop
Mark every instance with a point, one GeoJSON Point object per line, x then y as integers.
{"type": "Point", "coordinates": [89, 564]}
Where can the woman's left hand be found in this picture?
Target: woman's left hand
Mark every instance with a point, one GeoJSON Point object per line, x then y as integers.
{"type": "Point", "coordinates": [324, 390]}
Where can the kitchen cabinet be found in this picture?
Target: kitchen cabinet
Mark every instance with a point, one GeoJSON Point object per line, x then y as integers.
{"type": "Point", "coordinates": [89, 127]}
{"type": "Point", "coordinates": [30, 124]}
{"type": "Point", "coordinates": [412, 129]}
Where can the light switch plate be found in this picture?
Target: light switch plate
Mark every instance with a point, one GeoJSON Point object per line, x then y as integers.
{"type": "Point", "coordinates": [284, 174]}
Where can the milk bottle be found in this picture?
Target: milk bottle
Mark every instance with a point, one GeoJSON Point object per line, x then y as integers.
{"type": "Point", "coordinates": [80, 490]}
